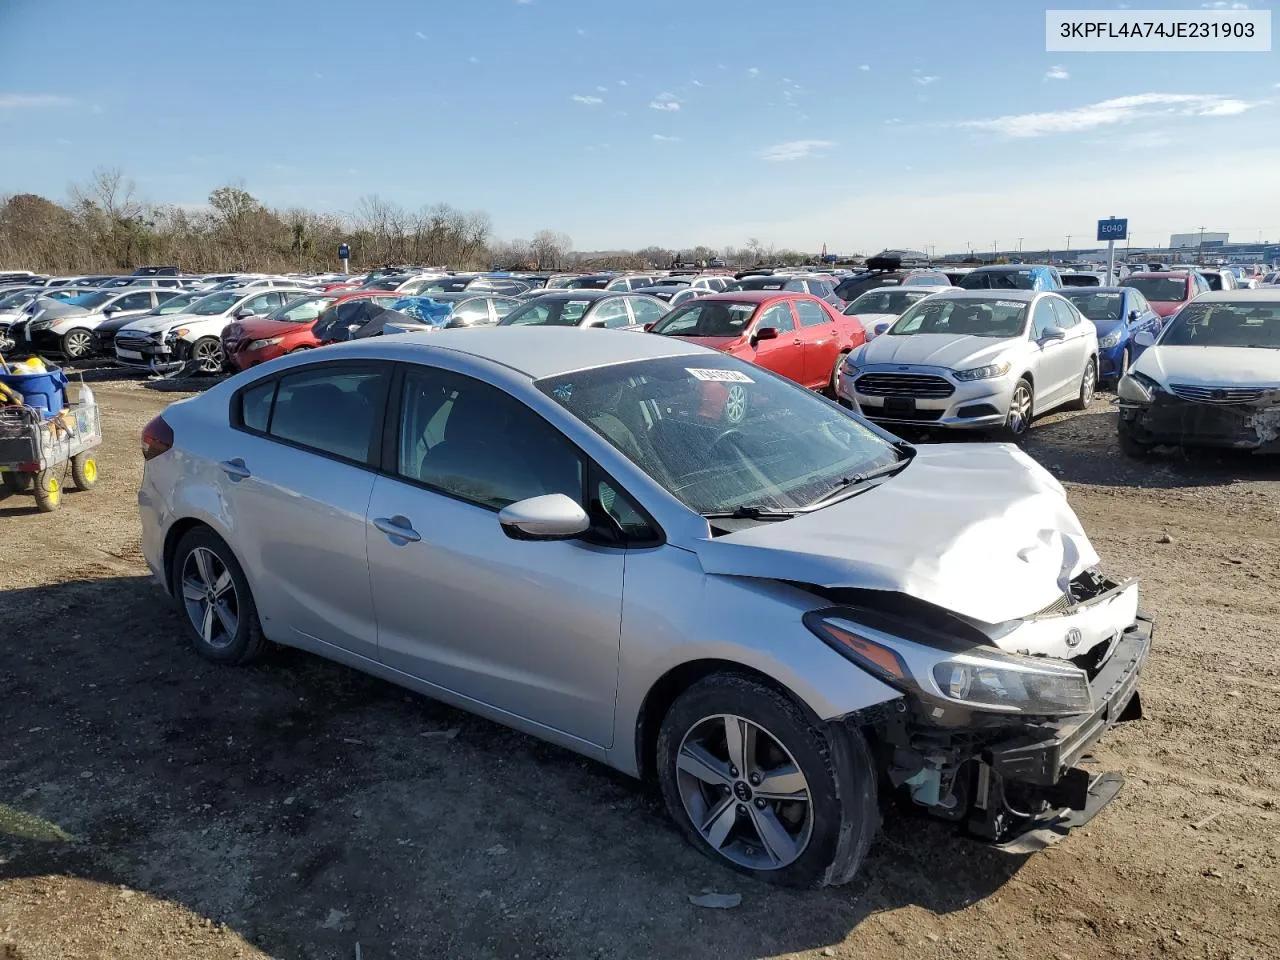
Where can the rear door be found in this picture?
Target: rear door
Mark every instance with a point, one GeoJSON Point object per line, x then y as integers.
{"type": "Point", "coordinates": [821, 342]}
{"type": "Point", "coordinates": [297, 480]}
{"type": "Point", "coordinates": [784, 354]}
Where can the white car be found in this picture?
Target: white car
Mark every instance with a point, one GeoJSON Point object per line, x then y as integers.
{"type": "Point", "coordinates": [975, 359]}
{"type": "Point", "coordinates": [1212, 378]}
{"type": "Point", "coordinates": [163, 343]}
{"type": "Point", "coordinates": [67, 328]}
{"type": "Point", "coordinates": [880, 306]}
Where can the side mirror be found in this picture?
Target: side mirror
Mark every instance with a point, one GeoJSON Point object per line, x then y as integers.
{"type": "Point", "coordinates": [1144, 339]}
{"type": "Point", "coordinates": [1134, 314]}
{"type": "Point", "coordinates": [550, 517]}
{"type": "Point", "coordinates": [109, 311]}
{"type": "Point", "coordinates": [649, 326]}
{"type": "Point", "coordinates": [243, 313]}
{"type": "Point", "coordinates": [1053, 333]}
{"type": "Point", "coordinates": [765, 333]}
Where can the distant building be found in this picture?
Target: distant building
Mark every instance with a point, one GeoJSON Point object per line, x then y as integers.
{"type": "Point", "coordinates": [1185, 240]}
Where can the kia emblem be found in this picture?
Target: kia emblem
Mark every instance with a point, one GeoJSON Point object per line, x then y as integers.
{"type": "Point", "coordinates": [1074, 637]}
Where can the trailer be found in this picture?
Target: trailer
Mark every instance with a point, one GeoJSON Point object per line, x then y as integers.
{"type": "Point", "coordinates": [38, 453]}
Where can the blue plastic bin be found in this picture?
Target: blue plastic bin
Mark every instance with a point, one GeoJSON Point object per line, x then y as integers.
{"type": "Point", "coordinates": [46, 392]}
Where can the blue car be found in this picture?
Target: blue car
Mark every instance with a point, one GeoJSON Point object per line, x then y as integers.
{"type": "Point", "coordinates": [1119, 314]}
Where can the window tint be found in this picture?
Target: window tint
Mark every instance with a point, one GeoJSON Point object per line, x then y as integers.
{"type": "Point", "coordinates": [646, 311]}
{"type": "Point", "coordinates": [333, 410]}
{"type": "Point", "coordinates": [473, 441]}
{"type": "Point", "coordinates": [255, 406]}
{"type": "Point", "coordinates": [779, 317]}
{"type": "Point", "coordinates": [811, 315]}
{"type": "Point", "coordinates": [1066, 316]}
{"type": "Point", "coordinates": [1043, 318]}
{"type": "Point", "coordinates": [612, 314]}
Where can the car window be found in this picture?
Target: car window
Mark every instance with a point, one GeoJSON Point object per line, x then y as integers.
{"type": "Point", "coordinates": [330, 410]}
{"type": "Point", "coordinates": [470, 313]}
{"type": "Point", "coordinates": [135, 301]}
{"type": "Point", "coordinates": [622, 510]}
{"type": "Point", "coordinates": [811, 315]}
{"type": "Point", "coordinates": [1043, 318]}
{"type": "Point", "coordinates": [545, 312]}
{"type": "Point", "coordinates": [1067, 317]}
{"type": "Point", "coordinates": [503, 305]}
{"type": "Point", "coordinates": [475, 442]}
{"type": "Point", "coordinates": [1138, 302]}
{"type": "Point", "coordinates": [264, 303]}
{"type": "Point", "coordinates": [646, 311]}
{"type": "Point", "coordinates": [779, 317]}
{"type": "Point", "coordinates": [612, 314]}
{"type": "Point", "coordinates": [255, 406]}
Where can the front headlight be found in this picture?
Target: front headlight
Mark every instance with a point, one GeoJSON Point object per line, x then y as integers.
{"type": "Point", "coordinates": [39, 324]}
{"type": "Point", "coordinates": [267, 342]}
{"type": "Point", "coordinates": [1111, 339]}
{"type": "Point", "coordinates": [177, 332]}
{"type": "Point", "coordinates": [851, 364]}
{"type": "Point", "coordinates": [983, 373]}
{"type": "Point", "coordinates": [1137, 388]}
{"type": "Point", "coordinates": [941, 668]}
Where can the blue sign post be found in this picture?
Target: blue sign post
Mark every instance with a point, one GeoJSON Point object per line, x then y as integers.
{"type": "Point", "coordinates": [344, 254]}
{"type": "Point", "coordinates": [1111, 230]}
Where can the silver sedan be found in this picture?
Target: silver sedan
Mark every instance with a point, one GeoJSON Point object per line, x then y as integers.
{"type": "Point", "coordinates": [775, 615]}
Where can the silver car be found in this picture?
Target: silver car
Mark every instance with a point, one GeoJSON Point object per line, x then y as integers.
{"type": "Point", "coordinates": [777, 617]}
{"type": "Point", "coordinates": [980, 359]}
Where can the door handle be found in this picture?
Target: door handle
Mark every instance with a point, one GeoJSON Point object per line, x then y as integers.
{"type": "Point", "coordinates": [235, 469]}
{"type": "Point", "coordinates": [797, 340]}
{"type": "Point", "coordinates": [398, 528]}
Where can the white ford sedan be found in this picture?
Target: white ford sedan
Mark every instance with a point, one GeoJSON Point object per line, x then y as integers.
{"type": "Point", "coordinates": [976, 359]}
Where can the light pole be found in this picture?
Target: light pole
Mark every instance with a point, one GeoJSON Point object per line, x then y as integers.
{"type": "Point", "coordinates": [1020, 248]}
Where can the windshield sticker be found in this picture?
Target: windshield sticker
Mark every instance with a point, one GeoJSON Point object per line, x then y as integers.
{"type": "Point", "coordinates": [1011, 304]}
{"type": "Point", "coordinates": [723, 376]}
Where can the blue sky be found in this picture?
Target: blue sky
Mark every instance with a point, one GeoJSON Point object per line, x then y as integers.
{"type": "Point", "coordinates": [855, 124]}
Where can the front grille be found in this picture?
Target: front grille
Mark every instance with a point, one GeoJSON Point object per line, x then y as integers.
{"type": "Point", "coordinates": [922, 385]}
{"type": "Point", "coordinates": [1200, 394]}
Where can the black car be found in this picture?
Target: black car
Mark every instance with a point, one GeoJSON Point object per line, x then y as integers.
{"type": "Point", "coordinates": [156, 272]}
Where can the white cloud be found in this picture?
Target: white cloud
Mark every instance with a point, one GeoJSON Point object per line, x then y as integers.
{"type": "Point", "coordinates": [473, 59]}
{"type": "Point", "coordinates": [601, 89]}
{"type": "Point", "coordinates": [419, 34]}
{"type": "Point", "coordinates": [893, 120]}
{"type": "Point", "coordinates": [581, 32]}
{"type": "Point", "coordinates": [1107, 112]}
{"type": "Point", "coordinates": [665, 101]}
{"type": "Point", "coordinates": [1057, 73]}
{"type": "Point", "coordinates": [924, 81]}
{"type": "Point", "coordinates": [589, 101]}
{"type": "Point", "coordinates": [622, 83]}
{"type": "Point", "coordinates": [19, 101]}
{"type": "Point", "coordinates": [753, 71]}
{"type": "Point", "coordinates": [794, 150]}
{"type": "Point", "coordinates": [864, 66]}
{"type": "Point", "coordinates": [1223, 5]}
{"type": "Point", "coordinates": [696, 83]}
{"type": "Point", "coordinates": [524, 2]}
{"type": "Point", "coordinates": [664, 139]}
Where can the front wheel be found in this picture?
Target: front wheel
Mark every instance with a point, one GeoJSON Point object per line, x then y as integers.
{"type": "Point", "coordinates": [1018, 420]}
{"type": "Point", "coordinates": [1088, 383]}
{"type": "Point", "coordinates": [206, 356]}
{"type": "Point", "coordinates": [757, 786]}
{"type": "Point", "coordinates": [77, 344]}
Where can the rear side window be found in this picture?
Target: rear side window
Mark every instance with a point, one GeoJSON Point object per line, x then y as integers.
{"type": "Point", "coordinates": [255, 406]}
{"type": "Point", "coordinates": [811, 315]}
{"type": "Point", "coordinates": [333, 410]}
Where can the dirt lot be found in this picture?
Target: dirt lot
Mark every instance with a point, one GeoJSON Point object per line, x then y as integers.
{"type": "Point", "coordinates": [153, 805]}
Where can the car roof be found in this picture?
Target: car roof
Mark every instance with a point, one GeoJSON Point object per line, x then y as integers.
{"type": "Point", "coordinates": [1009, 267]}
{"type": "Point", "coordinates": [1160, 274]}
{"type": "Point", "coordinates": [1066, 291]}
{"type": "Point", "coordinates": [756, 296]}
{"type": "Point", "coordinates": [1023, 295]}
{"type": "Point", "coordinates": [536, 352]}
{"type": "Point", "coordinates": [558, 294]}
{"type": "Point", "coordinates": [1260, 295]}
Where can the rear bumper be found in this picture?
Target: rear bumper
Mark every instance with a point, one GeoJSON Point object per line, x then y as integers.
{"type": "Point", "coordinates": [1172, 420]}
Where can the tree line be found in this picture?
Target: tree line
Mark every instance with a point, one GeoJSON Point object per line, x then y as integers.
{"type": "Point", "coordinates": [105, 227]}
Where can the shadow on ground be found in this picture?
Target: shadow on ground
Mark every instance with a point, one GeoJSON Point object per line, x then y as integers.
{"type": "Point", "coordinates": [308, 807]}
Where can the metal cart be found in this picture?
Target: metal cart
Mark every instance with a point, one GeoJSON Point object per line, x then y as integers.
{"type": "Point", "coordinates": [36, 454]}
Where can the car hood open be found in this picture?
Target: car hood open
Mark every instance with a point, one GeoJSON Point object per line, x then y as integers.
{"type": "Point", "coordinates": [949, 350]}
{"type": "Point", "coordinates": [1210, 366]}
{"type": "Point", "coordinates": [981, 530]}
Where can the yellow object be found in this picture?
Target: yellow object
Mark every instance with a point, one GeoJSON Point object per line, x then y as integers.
{"type": "Point", "coordinates": [91, 470]}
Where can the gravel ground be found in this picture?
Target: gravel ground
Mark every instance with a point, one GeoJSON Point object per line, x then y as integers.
{"type": "Point", "coordinates": [154, 805]}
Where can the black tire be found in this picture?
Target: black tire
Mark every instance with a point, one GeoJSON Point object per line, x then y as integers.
{"type": "Point", "coordinates": [247, 643]}
{"type": "Point", "coordinates": [843, 814]}
{"type": "Point", "coordinates": [1130, 445]}
{"type": "Point", "coordinates": [84, 470]}
{"type": "Point", "coordinates": [1016, 423]}
{"type": "Point", "coordinates": [48, 490]}
{"type": "Point", "coordinates": [77, 344]}
{"type": "Point", "coordinates": [1088, 386]}
{"type": "Point", "coordinates": [835, 375]}
{"type": "Point", "coordinates": [206, 357]}
{"type": "Point", "coordinates": [17, 482]}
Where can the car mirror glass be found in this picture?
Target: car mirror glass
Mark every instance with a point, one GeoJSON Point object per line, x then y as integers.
{"type": "Point", "coordinates": [1144, 338]}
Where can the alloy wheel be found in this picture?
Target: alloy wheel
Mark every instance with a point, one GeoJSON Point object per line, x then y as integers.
{"type": "Point", "coordinates": [208, 357]}
{"type": "Point", "coordinates": [1020, 409]}
{"type": "Point", "coordinates": [77, 343]}
{"type": "Point", "coordinates": [1088, 383]}
{"type": "Point", "coordinates": [209, 596]}
{"type": "Point", "coordinates": [744, 792]}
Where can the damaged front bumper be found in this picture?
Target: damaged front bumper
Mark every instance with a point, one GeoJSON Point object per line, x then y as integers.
{"type": "Point", "coordinates": [1176, 421]}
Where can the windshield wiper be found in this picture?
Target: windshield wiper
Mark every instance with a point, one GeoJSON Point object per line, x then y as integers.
{"type": "Point", "coordinates": [857, 483]}
{"type": "Point", "coordinates": [750, 512]}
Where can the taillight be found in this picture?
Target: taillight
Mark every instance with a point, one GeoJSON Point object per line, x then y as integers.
{"type": "Point", "coordinates": [157, 438]}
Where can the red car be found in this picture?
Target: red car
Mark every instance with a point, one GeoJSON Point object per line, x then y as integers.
{"type": "Point", "coordinates": [1167, 291]}
{"type": "Point", "coordinates": [247, 343]}
{"type": "Point", "coordinates": [795, 335]}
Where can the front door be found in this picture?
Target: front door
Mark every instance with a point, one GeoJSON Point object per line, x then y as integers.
{"type": "Point", "coordinates": [528, 628]}
{"type": "Point", "coordinates": [821, 342]}
{"type": "Point", "coordinates": [784, 354]}
{"type": "Point", "coordinates": [1055, 359]}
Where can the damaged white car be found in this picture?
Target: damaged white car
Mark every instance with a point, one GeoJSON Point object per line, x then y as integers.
{"type": "Point", "coordinates": [666, 559]}
{"type": "Point", "coordinates": [1211, 380]}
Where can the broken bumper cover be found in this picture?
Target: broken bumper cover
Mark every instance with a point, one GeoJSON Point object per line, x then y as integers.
{"type": "Point", "coordinates": [1171, 420]}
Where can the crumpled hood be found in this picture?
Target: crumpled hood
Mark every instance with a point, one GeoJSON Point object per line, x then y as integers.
{"type": "Point", "coordinates": [979, 529]}
{"type": "Point", "coordinates": [1210, 366]}
{"type": "Point", "coordinates": [262, 328]}
{"type": "Point", "coordinates": [149, 324]}
{"type": "Point", "coordinates": [955, 352]}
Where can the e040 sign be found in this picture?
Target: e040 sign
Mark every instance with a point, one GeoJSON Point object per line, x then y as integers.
{"type": "Point", "coordinates": [344, 252]}
{"type": "Point", "coordinates": [1113, 229]}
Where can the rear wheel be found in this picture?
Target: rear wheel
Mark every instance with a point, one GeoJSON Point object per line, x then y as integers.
{"type": "Point", "coordinates": [206, 356]}
{"type": "Point", "coordinates": [48, 491]}
{"type": "Point", "coordinates": [221, 617]}
{"type": "Point", "coordinates": [84, 470]}
{"type": "Point", "coordinates": [1088, 384]}
{"type": "Point", "coordinates": [758, 786]}
{"type": "Point", "coordinates": [77, 344]}
{"type": "Point", "coordinates": [1018, 420]}
{"type": "Point", "coordinates": [835, 375]}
